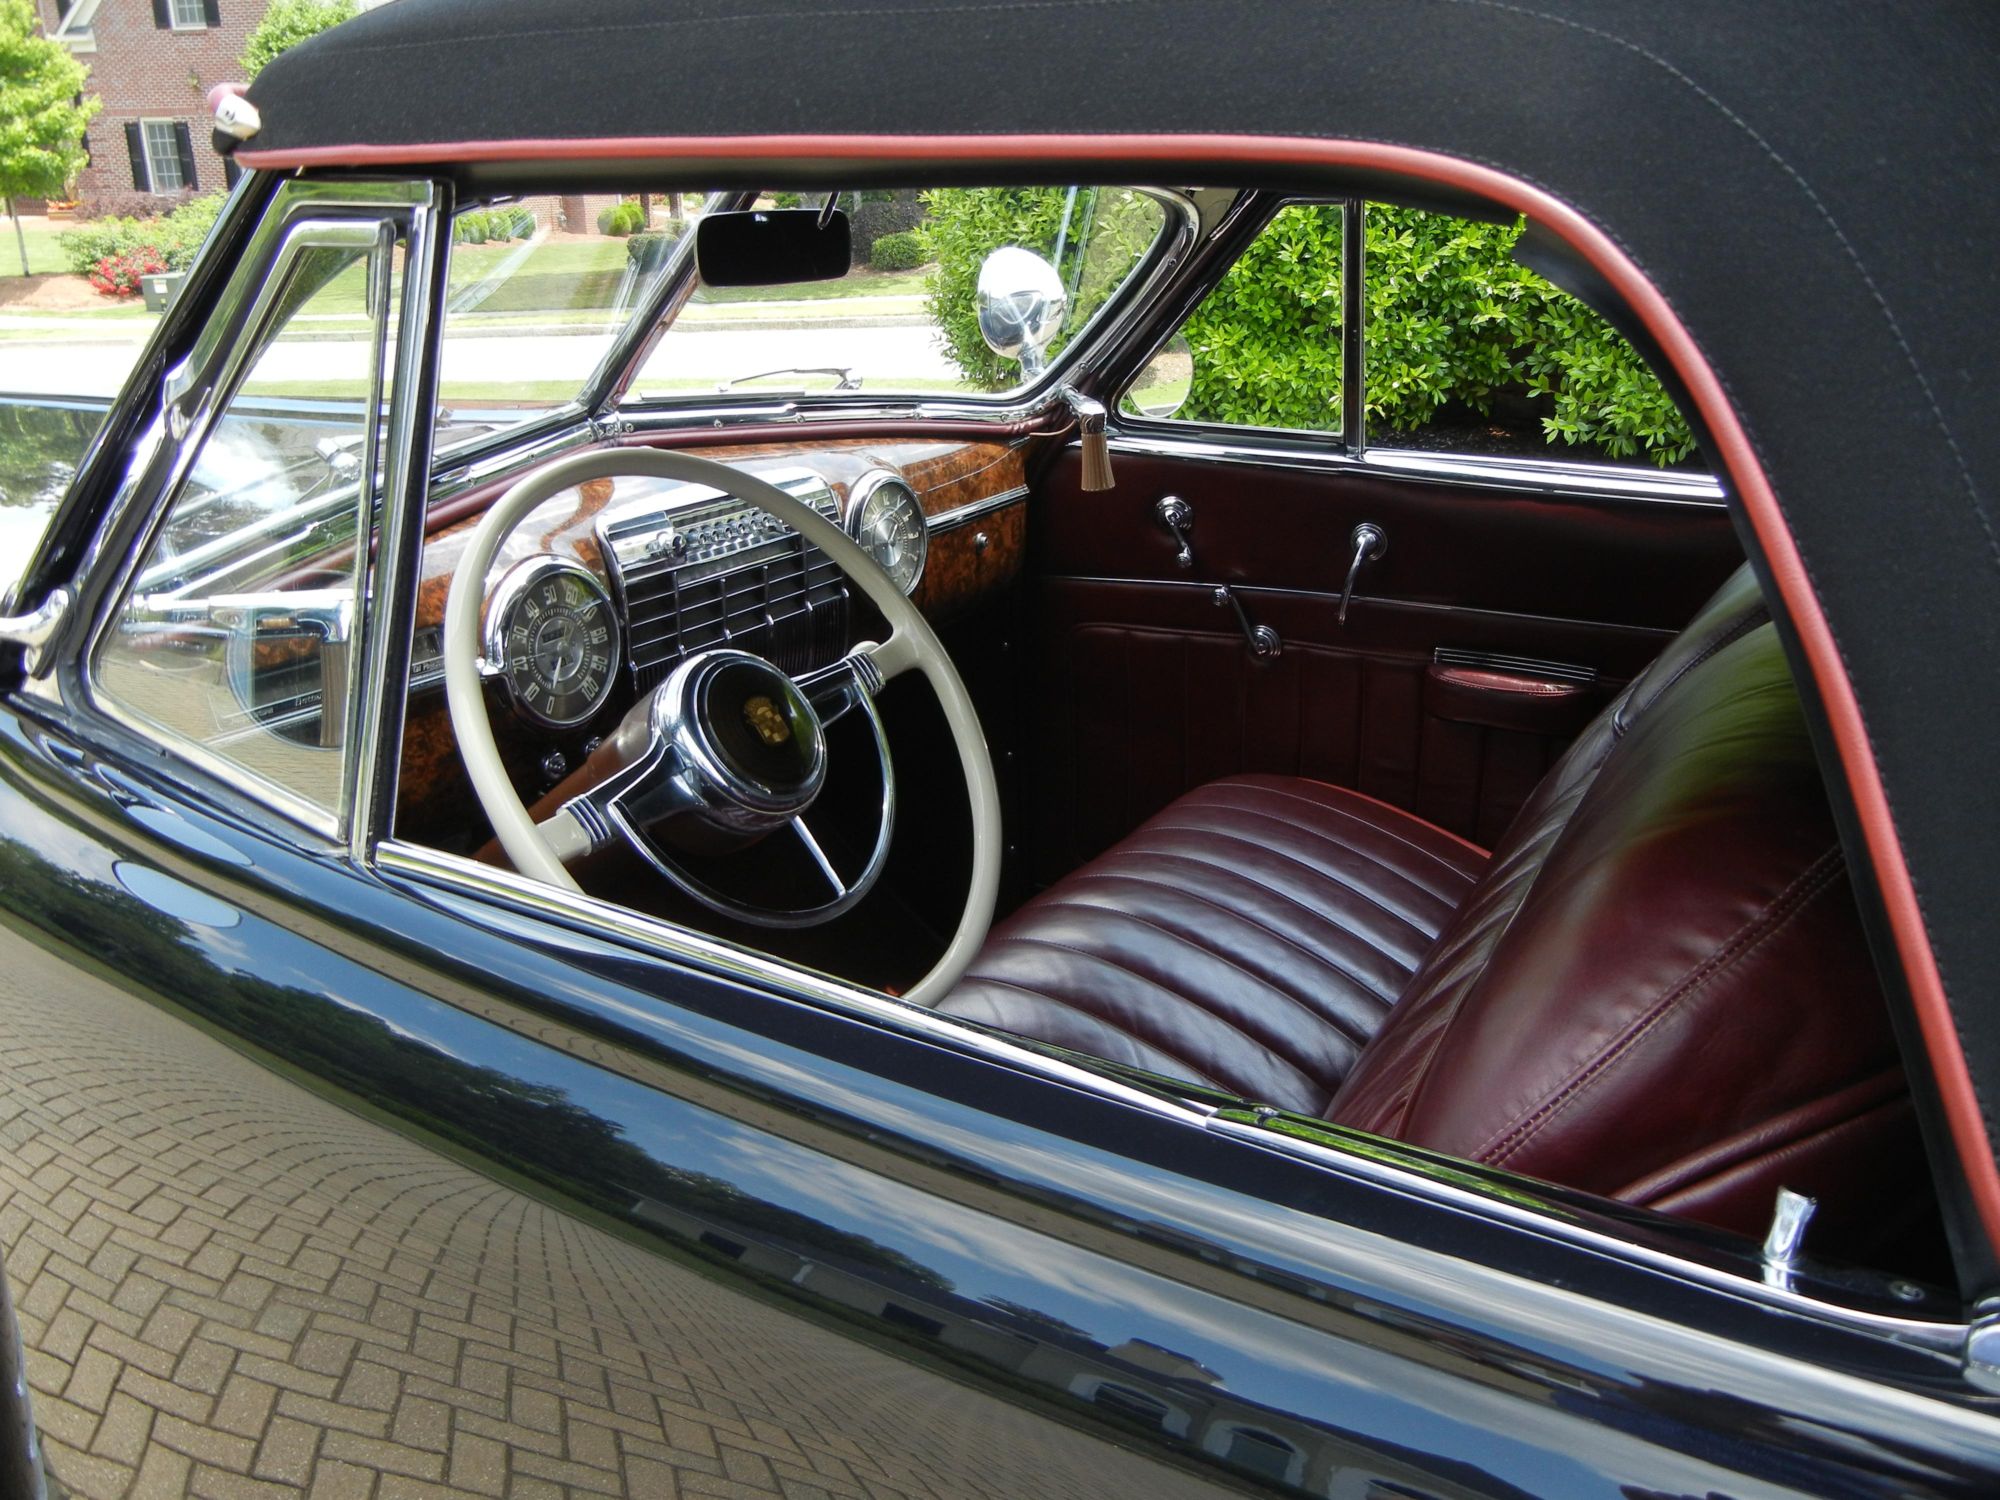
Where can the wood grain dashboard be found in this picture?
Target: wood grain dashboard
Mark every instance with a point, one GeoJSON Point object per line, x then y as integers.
{"type": "Point", "coordinates": [973, 495]}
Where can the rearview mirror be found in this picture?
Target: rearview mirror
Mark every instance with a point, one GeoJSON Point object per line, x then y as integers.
{"type": "Point", "coordinates": [771, 247]}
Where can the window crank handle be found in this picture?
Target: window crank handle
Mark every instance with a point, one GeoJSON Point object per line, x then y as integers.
{"type": "Point", "coordinates": [1177, 516]}
{"type": "Point", "coordinates": [1369, 542]}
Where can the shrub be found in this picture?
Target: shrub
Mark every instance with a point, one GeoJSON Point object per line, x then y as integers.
{"type": "Point", "coordinates": [1454, 321]}
{"type": "Point", "coordinates": [175, 237]}
{"type": "Point", "coordinates": [786, 200]}
{"type": "Point", "coordinates": [621, 219]}
{"type": "Point", "coordinates": [964, 225]}
{"type": "Point", "coordinates": [118, 275]}
{"type": "Point", "coordinates": [897, 252]}
{"type": "Point", "coordinates": [91, 241]}
{"type": "Point", "coordinates": [647, 250]}
{"type": "Point", "coordinates": [874, 215]}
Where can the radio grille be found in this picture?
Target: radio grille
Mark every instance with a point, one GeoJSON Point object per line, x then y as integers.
{"type": "Point", "coordinates": [712, 571]}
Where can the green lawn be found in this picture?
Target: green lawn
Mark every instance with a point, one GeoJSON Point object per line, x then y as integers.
{"type": "Point", "coordinates": [854, 284]}
{"type": "Point", "coordinates": [44, 257]}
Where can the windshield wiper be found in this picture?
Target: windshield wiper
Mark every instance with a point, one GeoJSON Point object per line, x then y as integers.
{"type": "Point", "coordinates": [848, 381]}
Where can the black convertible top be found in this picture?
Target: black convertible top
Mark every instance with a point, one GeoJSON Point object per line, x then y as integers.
{"type": "Point", "coordinates": [1815, 189]}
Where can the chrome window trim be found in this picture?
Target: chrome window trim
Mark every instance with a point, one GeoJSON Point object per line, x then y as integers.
{"type": "Point", "coordinates": [188, 411]}
{"type": "Point", "coordinates": [456, 875]}
{"type": "Point", "coordinates": [403, 502]}
{"type": "Point", "coordinates": [1540, 476]}
{"type": "Point", "coordinates": [1300, 447]}
{"type": "Point", "coordinates": [1179, 229]}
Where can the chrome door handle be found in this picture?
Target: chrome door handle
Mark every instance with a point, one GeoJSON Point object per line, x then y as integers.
{"type": "Point", "coordinates": [1177, 516]}
{"type": "Point", "coordinates": [1369, 542]}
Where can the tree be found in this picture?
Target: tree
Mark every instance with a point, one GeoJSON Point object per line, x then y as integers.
{"type": "Point", "coordinates": [42, 113]}
{"type": "Point", "coordinates": [286, 24]}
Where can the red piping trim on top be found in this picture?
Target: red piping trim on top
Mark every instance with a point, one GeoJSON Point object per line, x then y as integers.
{"type": "Point", "coordinates": [1843, 710]}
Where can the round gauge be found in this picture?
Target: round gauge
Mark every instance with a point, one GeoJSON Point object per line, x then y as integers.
{"type": "Point", "coordinates": [552, 636]}
{"type": "Point", "coordinates": [884, 517]}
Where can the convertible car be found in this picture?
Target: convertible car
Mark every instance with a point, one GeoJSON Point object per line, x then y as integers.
{"type": "Point", "coordinates": [1185, 853]}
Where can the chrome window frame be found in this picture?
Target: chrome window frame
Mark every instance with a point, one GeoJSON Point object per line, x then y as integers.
{"type": "Point", "coordinates": [1350, 448]}
{"type": "Point", "coordinates": [1179, 231]}
{"type": "Point", "coordinates": [195, 391]}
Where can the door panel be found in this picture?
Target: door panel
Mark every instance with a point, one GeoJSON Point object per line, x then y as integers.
{"type": "Point", "coordinates": [1150, 690]}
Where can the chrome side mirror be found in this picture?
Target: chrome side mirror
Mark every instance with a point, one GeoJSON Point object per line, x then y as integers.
{"type": "Point", "coordinates": [1021, 303]}
{"type": "Point", "coordinates": [1161, 388]}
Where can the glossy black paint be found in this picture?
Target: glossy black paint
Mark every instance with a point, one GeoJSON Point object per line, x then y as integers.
{"type": "Point", "coordinates": [991, 1228]}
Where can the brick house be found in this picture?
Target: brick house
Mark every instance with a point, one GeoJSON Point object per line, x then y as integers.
{"type": "Point", "coordinates": [152, 62]}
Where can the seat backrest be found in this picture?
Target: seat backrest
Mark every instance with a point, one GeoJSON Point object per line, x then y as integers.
{"type": "Point", "coordinates": [1660, 989]}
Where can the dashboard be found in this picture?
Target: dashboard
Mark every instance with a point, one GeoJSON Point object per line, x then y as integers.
{"type": "Point", "coordinates": [602, 590]}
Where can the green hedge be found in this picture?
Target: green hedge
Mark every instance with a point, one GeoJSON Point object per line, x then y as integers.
{"type": "Point", "coordinates": [621, 219]}
{"type": "Point", "coordinates": [478, 226]}
{"type": "Point", "coordinates": [964, 225]}
{"type": "Point", "coordinates": [176, 236]}
{"type": "Point", "coordinates": [897, 252]}
{"type": "Point", "coordinates": [1454, 323]}
{"type": "Point", "coordinates": [647, 250]}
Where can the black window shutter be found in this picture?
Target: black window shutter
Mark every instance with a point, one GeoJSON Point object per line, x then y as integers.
{"type": "Point", "coordinates": [211, 12]}
{"type": "Point", "coordinates": [135, 143]}
{"type": "Point", "coordinates": [185, 142]}
{"type": "Point", "coordinates": [163, 16]}
{"type": "Point", "coordinates": [230, 171]}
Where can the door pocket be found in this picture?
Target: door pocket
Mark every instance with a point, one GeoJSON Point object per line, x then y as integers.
{"type": "Point", "coordinates": [1491, 726]}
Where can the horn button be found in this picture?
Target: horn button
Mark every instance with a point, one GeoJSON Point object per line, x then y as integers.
{"type": "Point", "coordinates": [751, 748]}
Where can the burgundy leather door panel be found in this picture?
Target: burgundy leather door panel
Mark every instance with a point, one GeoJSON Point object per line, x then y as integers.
{"type": "Point", "coordinates": [1150, 691]}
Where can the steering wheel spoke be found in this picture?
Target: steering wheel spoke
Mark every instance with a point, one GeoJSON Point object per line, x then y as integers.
{"type": "Point", "coordinates": [819, 857]}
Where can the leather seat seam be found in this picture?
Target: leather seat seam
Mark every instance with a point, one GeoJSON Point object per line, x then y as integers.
{"type": "Point", "coordinates": [1230, 912]}
{"type": "Point", "coordinates": [1429, 938]}
{"type": "Point", "coordinates": [1185, 941]}
{"type": "Point", "coordinates": [1750, 1153]}
{"type": "Point", "coordinates": [1195, 1074]}
{"type": "Point", "coordinates": [1335, 876]}
{"type": "Point", "coordinates": [1342, 812]}
{"type": "Point", "coordinates": [1810, 883]}
{"type": "Point", "coordinates": [1111, 963]}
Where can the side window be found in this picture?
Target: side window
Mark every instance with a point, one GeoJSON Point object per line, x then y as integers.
{"type": "Point", "coordinates": [230, 641]}
{"type": "Point", "coordinates": [1469, 351]}
{"type": "Point", "coordinates": [1263, 349]}
{"type": "Point", "coordinates": [1464, 349]}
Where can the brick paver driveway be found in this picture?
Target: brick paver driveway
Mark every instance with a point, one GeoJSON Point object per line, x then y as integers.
{"type": "Point", "coordinates": [231, 1287]}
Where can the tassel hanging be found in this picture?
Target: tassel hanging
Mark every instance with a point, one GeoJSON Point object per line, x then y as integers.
{"type": "Point", "coordinates": [1090, 420]}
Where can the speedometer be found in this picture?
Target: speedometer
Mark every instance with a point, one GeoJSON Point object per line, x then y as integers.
{"type": "Point", "coordinates": [552, 637]}
{"type": "Point", "coordinates": [884, 517]}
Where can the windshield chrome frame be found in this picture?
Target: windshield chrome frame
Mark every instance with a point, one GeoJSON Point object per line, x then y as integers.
{"type": "Point", "coordinates": [1179, 229]}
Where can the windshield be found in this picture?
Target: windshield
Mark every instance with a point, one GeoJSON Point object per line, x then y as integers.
{"type": "Point", "coordinates": [541, 290]}
{"type": "Point", "coordinates": [902, 319]}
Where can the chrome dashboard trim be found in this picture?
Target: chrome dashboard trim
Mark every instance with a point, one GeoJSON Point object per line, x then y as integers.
{"type": "Point", "coordinates": [959, 515]}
